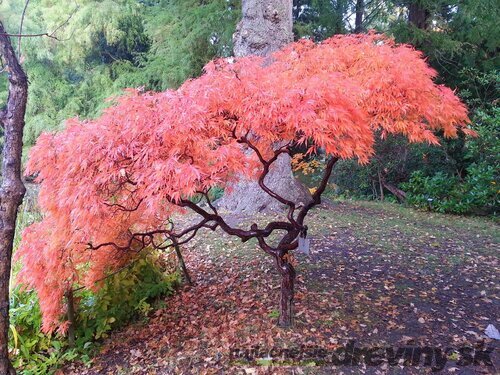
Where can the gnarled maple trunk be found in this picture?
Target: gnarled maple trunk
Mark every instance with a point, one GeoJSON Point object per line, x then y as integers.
{"type": "Point", "coordinates": [265, 27]}
{"type": "Point", "coordinates": [287, 273]}
{"type": "Point", "coordinates": [12, 189]}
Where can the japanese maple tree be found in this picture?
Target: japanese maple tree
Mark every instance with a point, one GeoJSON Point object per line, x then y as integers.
{"type": "Point", "coordinates": [110, 186]}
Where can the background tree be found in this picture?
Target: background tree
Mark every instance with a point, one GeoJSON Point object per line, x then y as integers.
{"type": "Point", "coordinates": [12, 188]}
{"type": "Point", "coordinates": [265, 27]}
{"type": "Point", "coordinates": [321, 19]}
{"type": "Point", "coordinates": [107, 46]}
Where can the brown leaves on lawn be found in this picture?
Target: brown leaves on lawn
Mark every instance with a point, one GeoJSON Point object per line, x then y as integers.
{"type": "Point", "coordinates": [374, 277]}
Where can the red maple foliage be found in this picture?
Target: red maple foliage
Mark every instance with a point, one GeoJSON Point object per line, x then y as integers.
{"type": "Point", "coordinates": [110, 185]}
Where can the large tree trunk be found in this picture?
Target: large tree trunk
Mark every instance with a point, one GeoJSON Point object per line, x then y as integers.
{"type": "Point", "coordinates": [360, 10]}
{"type": "Point", "coordinates": [265, 27]}
{"type": "Point", "coordinates": [12, 189]}
{"type": "Point", "coordinates": [418, 15]}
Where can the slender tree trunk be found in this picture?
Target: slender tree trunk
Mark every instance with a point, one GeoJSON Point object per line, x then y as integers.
{"type": "Point", "coordinates": [12, 189]}
{"type": "Point", "coordinates": [265, 27]}
{"type": "Point", "coordinates": [380, 186]}
{"type": "Point", "coordinates": [287, 289]}
{"type": "Point", "coordinates": [71, 317]}
{"type": "Point", "coordinates": [360, 10]}
{"type": "Point", "coordinates": [182, 264]}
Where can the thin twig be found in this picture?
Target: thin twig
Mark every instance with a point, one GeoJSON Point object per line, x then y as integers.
{"type": "Point", "coordinates": [48, 35]}
{"type": "Point", "coordinates": [21, 29]}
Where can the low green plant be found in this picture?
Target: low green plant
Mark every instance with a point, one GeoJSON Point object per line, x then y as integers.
{"type": "Point", "coordinates": [33, 352]}
{"type": "Point", "coordinates": [124, 296]}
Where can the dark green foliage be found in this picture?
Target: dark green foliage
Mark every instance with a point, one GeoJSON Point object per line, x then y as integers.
{"type": "Point", "coordinates": [320, 19]}
{"type": "Point", "coordinates": [475, 190]}
{"type": "Point", "coordinates": [486, 147]}
{"type": "Point", "coordinates": [471, 185]}
{"type": "Point", "coordinates": [185, 35]}
{"type": "Point", "coordinates": [107, 46]}
{"type": "Point", "coordinates": [476, 194]}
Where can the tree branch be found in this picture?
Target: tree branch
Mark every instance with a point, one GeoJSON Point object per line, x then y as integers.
{"type": "Point", "coordinates": [213, 220]}
{"type": "Point", "coordinates": [48, 35]}
{"type": "Point", "coordinates": [123, 208]}
{"type": "Point", "coordinates": [285, 149]}
{"type": "Point", "coordinates": [209, 202]}
{"type": "Point", "coordinates": [317, 194]}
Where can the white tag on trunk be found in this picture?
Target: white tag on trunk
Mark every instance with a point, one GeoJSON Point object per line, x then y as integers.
{"type": "Point", "coordinates": [304, 245]}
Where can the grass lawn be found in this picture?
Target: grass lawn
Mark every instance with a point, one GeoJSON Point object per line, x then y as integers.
{"type": "Point", "coordinates": [379, 276]}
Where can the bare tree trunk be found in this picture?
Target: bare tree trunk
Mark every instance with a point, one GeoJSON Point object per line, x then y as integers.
{"type": "Point", "coordinates": [12, 189]}
{"type": "Point", "coordinates": [265, 27]}
{"type": "Point", "coordinates": [398, 193]}
{"type": "Point", "coordinates": [71, 317]}
{"type": "Point", "coordinates": [360, 10]}
{"type": "Point", "coordinates": [418, 16]}
{"type": "Point", "coordinates": [381, 186]}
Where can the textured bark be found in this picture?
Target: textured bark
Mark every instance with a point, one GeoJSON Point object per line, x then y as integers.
{"type": "Point", "coordinates": [265, 27]}
{"type": "Point", "coordinates": [12, 189]}
{"type": "Point", "coordinates": [247, 197]}
{"type": "Point", "coordinates": [287, 271]}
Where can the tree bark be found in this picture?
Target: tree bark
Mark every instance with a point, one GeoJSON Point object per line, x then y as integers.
{"type": "Point", "coordinates": [398, 193]}
{"type": "Point", "coordinates": [360, 10]}
{"type": "Point", "coordinates": [287, 291]}
{"type": "Point", "coordinates": [71, 317]}
{"type": "Point", "coordinates": [12, 188]}
{"type": "Point", "coordinates": [265, 27]}
{"type": "Point", "coordinates": [418, 16]}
